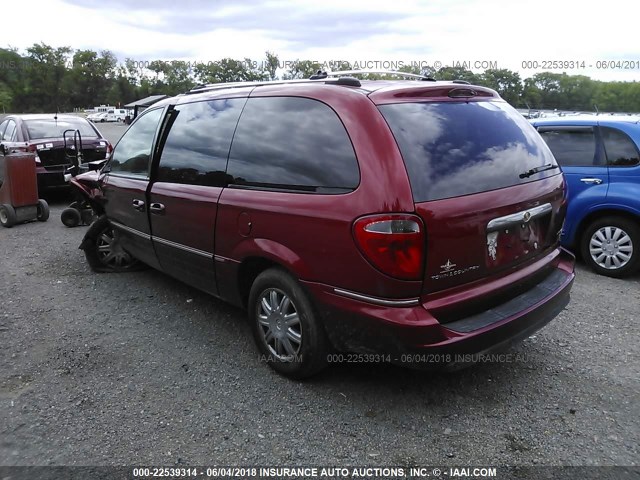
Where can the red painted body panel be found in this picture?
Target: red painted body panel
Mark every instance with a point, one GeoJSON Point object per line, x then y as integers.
{"type": "Point", "coordinates": [311, 238]}
{"type": "Point", "coordinates": [20, 187]}
{"type": "Point", "coordinates": [428, 92]}
{"type": "Point", "coordinates": [457, 229]}
{"type": "Point", "coordinates": [359, 326]}
{"type": "Point", "coordinates": [119, 194]}
{"type": "Point", "coordinates": [188, 219]}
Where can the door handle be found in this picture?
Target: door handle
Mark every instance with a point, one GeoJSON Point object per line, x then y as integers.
{"type": "Point", "coordinates": [591, 181]}
{"type": "Point", "coordinates": [138, 205]}
{"type": "Point", "coordinates": [156, 208]}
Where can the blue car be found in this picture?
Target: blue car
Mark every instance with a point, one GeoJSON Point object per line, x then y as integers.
{"type": "Point", "coordinates": [600, 157]}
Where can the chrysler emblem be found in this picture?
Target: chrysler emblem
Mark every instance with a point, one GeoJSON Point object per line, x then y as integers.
{"type": "Point", "coordinates": [447, 266]}
{"type": "Point", "coordinates": [526, 217]}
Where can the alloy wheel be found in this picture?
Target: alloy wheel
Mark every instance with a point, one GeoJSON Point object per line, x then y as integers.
{"type": "Point", "coordinates": [110, 251]}
{"type": "Point", "coordinates": [279, 324]}
{"type": "Point", "coordinates": [611, 247]}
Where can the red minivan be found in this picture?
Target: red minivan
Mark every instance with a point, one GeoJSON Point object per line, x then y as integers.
{"type": "Point", "coordinates": [412, 222]}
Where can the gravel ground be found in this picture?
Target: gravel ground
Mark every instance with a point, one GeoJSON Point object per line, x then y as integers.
{"type": "Point", "coordinates": [139, 369]}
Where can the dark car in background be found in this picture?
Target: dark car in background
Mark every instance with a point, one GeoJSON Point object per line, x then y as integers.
{"type": "Point", "coordinates": [413, 222]}
{"type": "Point", "coordinates": [43, 135]}
{"type": "Point", "coordinates": [600, 157]}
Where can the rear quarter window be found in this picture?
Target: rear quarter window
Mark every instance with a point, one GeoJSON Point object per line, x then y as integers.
{"type": "Point", "coordinates": [453, 149]}
{"type": "Point", "coordinates": [621, 150]}
{"type": "Point", "coordinates": [292, 143]}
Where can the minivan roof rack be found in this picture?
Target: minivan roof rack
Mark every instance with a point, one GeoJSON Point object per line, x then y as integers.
{"type": "Point", "coordinates": [343, 78]}
{"type": "Point", "coordinates": [379, 72]}
{"type": "Point", "coordinates": [207, 87]}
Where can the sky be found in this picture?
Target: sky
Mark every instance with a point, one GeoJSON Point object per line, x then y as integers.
{"type": "Point", "coordinates": [581, 38]}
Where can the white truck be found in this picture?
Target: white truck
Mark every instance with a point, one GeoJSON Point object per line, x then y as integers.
{"type": "Point", "coordinates": [116, 115]}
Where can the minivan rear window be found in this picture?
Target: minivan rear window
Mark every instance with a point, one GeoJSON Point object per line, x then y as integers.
{"type": "Point", "coordinates": [452, 149]}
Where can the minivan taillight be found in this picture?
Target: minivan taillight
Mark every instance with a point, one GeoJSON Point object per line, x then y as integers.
{"type": "Point", "coordinates": [31, 148]}
{"type": "Point", "coordinates": [394, 244]}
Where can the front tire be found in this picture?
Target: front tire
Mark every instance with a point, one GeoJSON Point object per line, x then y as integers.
{"type": "Point", "coordinates": [611, 246]}
{"type": "Point", "coordinates": [285, 326]}
{"type": "Point", "coordinates": [103, 250]}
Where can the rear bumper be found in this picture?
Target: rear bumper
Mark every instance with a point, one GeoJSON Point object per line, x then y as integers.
{"type": "Point", "coordinates": [52, 178]}
{"type": "Point", "coordinates": [413, 336]}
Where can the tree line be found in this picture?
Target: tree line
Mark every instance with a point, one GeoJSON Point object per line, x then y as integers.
{"type": "Point", "coordinates": [49, 79]}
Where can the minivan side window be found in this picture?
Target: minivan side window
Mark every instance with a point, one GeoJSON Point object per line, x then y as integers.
{"type": "Point", "coordinates": [133, 152]}
{"type": "Point", "coordinates": [620, 149]}
{"type": "Point", "coordinates": [197, 146]}
{"type": "Point", "coordinates": [292, 143]}
{"type": "Point", "coordinates": [572, 147]}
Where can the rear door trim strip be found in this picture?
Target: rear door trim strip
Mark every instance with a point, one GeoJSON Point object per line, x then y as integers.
{"type": "Point", "coordinates": [518, 218]}
{"type": "Point", "coordinates": [179, 246]}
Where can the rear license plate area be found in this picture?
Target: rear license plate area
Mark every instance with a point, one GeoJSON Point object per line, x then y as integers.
{"type": "Point", "coordinates": [515, 242]}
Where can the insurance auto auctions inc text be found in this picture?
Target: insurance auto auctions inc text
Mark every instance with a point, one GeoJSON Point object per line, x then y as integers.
{"type": "Point", "coordinates": [376, 472]}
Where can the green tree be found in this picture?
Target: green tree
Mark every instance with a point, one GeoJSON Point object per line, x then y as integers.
{"type": "Point", "coordinates": [507, 83]}
{"type": "Point", "coordinates": [228, 70]}
{"type": "Point", "coordinates": [456, 73]}
{"type": "Point", "coordinates": [531, 96]}
{"type": "Point", "coordinates": [12, 76]}
{"type": "Point", "coordinates": [177, 76]}
{"type": "Point", "coordinates": [576, 92]}
{"type": "Point", "coordinates": [90, 77]}
{"type": "Point", "coordinates": [425, 71]}
{"type": "Point", "coordinates": [6, 97]}
{"type": "Point", "coordinates": [45, 74]}
{"type": "Point", "coordinates": [271, 65]}
{"type": "Point", "coordinates": [300, 69]}
{"type": "Point", "coordinates": [547, 85]}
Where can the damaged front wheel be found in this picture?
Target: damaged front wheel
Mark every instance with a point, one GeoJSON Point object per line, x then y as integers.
{"type": "Point", "coordinates": [103, 249]}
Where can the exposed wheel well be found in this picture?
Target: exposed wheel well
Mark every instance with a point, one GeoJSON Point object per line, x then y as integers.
{"type": "Point", "coordinates": [250, 268]}
{"type": "Point", "coordinates": [589, 219]}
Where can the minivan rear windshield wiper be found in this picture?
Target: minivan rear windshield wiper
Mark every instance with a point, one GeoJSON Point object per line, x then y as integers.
{"type": "Point", "coordinates": [542, 168]}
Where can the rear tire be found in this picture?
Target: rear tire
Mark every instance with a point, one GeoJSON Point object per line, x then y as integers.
{"type": "Point", "coordinates": [103, 251]}
{"type": "Point", "coordinates": [611, 246]}
{"type": "Point", "coordinates": [43, 211]}
{"type": "Point", "coordinates": [70, 217]}
{"type": "Point", "coordinates": [285, 326]}
{"type": "Point", "coordinates": [8, 217]}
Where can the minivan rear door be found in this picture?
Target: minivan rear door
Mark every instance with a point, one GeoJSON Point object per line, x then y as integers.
{"type": "Point", "coordinates": [485, 184]}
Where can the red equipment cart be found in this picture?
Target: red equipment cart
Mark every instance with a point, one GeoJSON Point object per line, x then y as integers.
{"type": "Point", "coordinates": [19, 200]}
